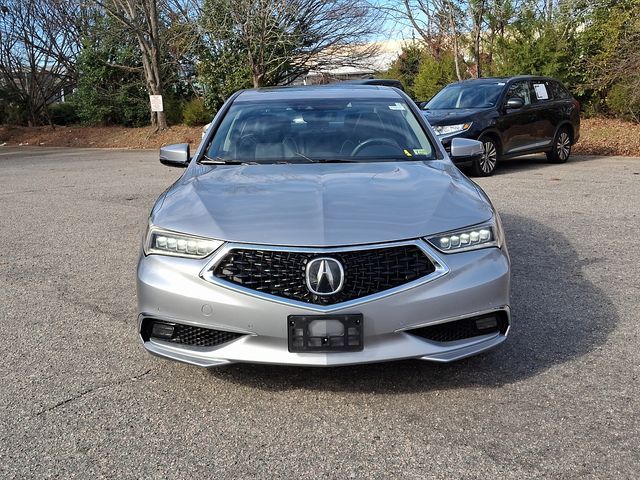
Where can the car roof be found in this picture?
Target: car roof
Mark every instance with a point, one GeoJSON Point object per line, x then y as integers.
{"type": "Point", "coordinates": [505, 79]}
{"type": "Point", "coordinates": [318, 92]}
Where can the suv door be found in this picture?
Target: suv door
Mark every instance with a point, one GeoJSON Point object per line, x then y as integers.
{"type": "Point", "coordinates": [548, 111]}
{"type": "Point", "coordinates": [515, 125]}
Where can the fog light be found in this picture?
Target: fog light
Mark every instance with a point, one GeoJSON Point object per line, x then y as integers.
{"type": "Point", "coordinates": [163, 331]}
{"type": "Point", "coordinates": [486, 323]}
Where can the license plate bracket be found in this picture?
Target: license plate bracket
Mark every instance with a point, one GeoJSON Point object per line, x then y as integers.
{"type": "Point", "coordinates": [325, 333]}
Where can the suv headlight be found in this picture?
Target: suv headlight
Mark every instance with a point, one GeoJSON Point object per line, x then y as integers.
{"type": "Point", "coordinates": [449, 129]}
{"type": "Point", "coordinates": [165, 242]}
{"type": "Point", "coordinates": [472, 238]}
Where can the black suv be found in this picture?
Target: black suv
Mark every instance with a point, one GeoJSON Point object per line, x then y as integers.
{"type": "Point", "coordinates": [510, 116]}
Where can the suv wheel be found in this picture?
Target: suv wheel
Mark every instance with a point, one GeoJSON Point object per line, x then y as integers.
{"type": "Point", "coordinates": [561, 147]}
{"type": "Point", "coordinates": [485, 165]}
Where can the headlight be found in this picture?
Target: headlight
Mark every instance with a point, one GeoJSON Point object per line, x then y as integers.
{"type": "Point", "coordinates": [471, 238]}
{"type": "Point", "coordinates": [448, 129]}
{"type": "Point", "coordinates": [166, 242]}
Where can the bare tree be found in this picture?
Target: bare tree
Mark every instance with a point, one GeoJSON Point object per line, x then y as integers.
{"type": "Point", "coordinates": [39, 44]}
{"type": "Point", "coordinates": [477, 8]}
{"type": "Point", "coordinates": [283, 39]}
{"type": "Point", "coordinates": [142, 19]}
{"type": "Point", "coordinates": [454, 35]}
{"type": "Point", "coordinates": [437, 22]}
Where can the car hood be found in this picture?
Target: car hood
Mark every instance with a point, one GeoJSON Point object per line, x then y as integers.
{"type": "Point", "coordinates": [451, 117]}
{"type": "Point", "coordinates": [321, 204]}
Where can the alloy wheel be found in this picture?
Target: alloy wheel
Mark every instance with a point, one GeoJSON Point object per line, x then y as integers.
{"type": "Point", "coordinates": [563, 146]}
{"type": "Point", "coordinates": [489, 158]}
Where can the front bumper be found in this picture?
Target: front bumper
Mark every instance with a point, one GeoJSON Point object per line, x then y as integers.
{"type": "Point", "coordinates": [171, 289]}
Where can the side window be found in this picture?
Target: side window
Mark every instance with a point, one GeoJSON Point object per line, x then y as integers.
{"type": "Point", "coordinates": [558, 91]}
{"type": "Point", "coordinates": [521, 90]}
{"type": "Point", "coordinates": [542, 92]}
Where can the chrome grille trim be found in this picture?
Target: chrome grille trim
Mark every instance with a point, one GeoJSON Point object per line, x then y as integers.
{"type": "Point", "coordinates": [207, 272]}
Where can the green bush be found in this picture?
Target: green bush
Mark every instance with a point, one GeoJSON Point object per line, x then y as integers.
{"type": "Point", "coordinates": [173, 107]}
{"type": "Point", "coordinates": [63, 113]}
{"type": "Point", "coordinates": [194, 113]}
{"type": "Point", "coordinates": [13, 110]}
{"type": "Point", "coordinates": [623, 100]}
{"type": "Point", "coordinates": [433, 75]}
{"type": "Point", "coordinates": [107, 94]}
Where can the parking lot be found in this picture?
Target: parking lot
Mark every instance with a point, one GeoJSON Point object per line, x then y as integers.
{"type": "Point", "coordinates": [80, 397]}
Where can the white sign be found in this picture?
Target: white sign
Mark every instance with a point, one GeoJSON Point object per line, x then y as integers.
{"type": "Point", "coordinates": [541, 91]}
{"type": "Point", "coordinates": [156, 103]}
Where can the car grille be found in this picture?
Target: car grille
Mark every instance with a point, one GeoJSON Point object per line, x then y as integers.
{"type": "Point", "coordinates": [201, 337]}
{"type": "Point", "coordinates": [462, 329]}
{"type": "Point", "coordinates": [189, 335]}
{"type": "Point", "coordinates": [282, 273]}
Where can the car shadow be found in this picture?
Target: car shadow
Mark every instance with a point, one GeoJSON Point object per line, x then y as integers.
{"type": "Point", "coordinates": [557, 315]}
{"type": "Point", "coordinates": [534, 162]}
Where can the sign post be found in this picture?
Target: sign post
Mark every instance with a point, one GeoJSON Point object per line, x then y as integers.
{"type": "Point", "coordinates": [156, 103]}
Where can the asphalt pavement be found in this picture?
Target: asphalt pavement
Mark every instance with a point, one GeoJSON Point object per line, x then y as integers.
{"type": "Point", "coordinates": [79, 397]}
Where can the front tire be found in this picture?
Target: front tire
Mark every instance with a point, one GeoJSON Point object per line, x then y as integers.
{"type": "Point", "coordinates": [485, 165]}
{"type": "Point", "coordinates": [561, 147]}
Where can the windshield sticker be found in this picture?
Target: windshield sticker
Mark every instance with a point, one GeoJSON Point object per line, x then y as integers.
{"type": "Point", "coordinates": [407, 153]}
{"type": "Point", "coordinates": [541, 91]}
{"type": "Point", "coordinates": [419, 151]}
{"type": "Point", "coordinates": [397, 106]}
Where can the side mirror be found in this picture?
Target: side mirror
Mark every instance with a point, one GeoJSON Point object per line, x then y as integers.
{"type": "Point", "coordinates": [465, 150]}
{"type": "Point", "coordinates": [515, 103]}
{"type": "Point", "coordinates": [175, 155]}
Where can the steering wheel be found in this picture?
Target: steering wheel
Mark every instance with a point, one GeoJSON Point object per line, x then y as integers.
{"type": "Point", "coordinates": [249, 138]}
{"type": "Point", "coordinates": [373, 141]}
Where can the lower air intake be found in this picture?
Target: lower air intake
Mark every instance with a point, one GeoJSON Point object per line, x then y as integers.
{"type": "Point", "coordinates": [185, 334]}
{"type": "Point", "coordinates": [466, 328]}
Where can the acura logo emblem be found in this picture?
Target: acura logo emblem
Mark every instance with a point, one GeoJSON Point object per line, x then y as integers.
{"type": "Point", "coordinates": [325, 276]}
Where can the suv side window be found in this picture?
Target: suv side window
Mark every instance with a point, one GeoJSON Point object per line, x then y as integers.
{"type": "Point", "coordinates": [558, 91]}
{"type": "Point", "coordinates": [542, 91]}
{"type": "Point", "coordinates": [521, 90]}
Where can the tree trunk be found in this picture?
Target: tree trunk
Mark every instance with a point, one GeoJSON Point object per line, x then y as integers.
{"type": "Point", "coordinates": [477, 53]}
{"type": "Point", "coordinates": [141, 18]}
{"type": "Point", "coordinates": [454, 34]}
{"type": "Point", "coordinates": [478, 36]}
{"type": "Point", "coordinates": [258, 78]}
{"type": "Point", "coordinates": [154, 84]}
{"type": "Point", "coordinates": [153, 51]}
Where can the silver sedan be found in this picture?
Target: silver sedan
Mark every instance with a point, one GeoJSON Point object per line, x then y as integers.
{"type": "Point", "coordinates": [322, 226]}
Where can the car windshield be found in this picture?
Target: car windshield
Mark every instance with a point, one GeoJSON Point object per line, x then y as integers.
{"type": "Point", "coordinates": [471, 95]}
{"type": "Point", "coordinates": [319, 130]}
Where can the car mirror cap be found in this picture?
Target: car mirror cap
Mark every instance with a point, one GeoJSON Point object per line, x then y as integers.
{"type": "Point", "coordinates": [176, 155]}
{"type": "Point", "coordinates": [515, 103]}
{"type": "Point", "coordinates": [466, 150]}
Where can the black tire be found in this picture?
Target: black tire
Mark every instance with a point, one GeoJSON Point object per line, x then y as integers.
{"type": "Point", "coordinates": [561, 150]}
{"type": "Point", "coordinates": [485, 166]}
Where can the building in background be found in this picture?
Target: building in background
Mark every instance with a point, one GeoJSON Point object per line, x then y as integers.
{"type": "Point", "coordinates": [387, 52]}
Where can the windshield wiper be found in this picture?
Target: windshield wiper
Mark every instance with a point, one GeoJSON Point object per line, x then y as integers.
{"type": "Point", "coordinates": [336, 160]}
{"type": "Point", "coordinates": [325, 160]}
{"type": "Point", "coordinates": [310, 160]}
{"type": "Point", "coordinates": [221, 161]}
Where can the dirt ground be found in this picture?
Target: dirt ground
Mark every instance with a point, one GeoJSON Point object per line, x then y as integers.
{"type": "Point", "coordinates": [599, 136]}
